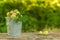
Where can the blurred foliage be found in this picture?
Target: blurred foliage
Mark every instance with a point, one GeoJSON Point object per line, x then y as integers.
{"type": "Point", "coordinates": [37, 14]}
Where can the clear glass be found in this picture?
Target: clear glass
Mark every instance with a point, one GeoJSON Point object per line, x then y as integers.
{"type": "Point", "coordinates": [13, 29]}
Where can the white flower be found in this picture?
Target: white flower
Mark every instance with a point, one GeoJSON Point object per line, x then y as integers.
{"type": "Point", "coordinates": [11, 12]}
{"type": "Point", "coordinates": [13, 15]}
{"type": "Point", "coordinates": [45, 32]}
{"type": "Point", "coordinates": [40, 32]}
{"type": "Point", "coordinates": [7, 13]}
{"type": "Point", "coordinates": [16, 11]}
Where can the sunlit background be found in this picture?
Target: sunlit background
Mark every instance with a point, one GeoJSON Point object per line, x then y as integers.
{"type": "Point", "coordinates": [37, 14]}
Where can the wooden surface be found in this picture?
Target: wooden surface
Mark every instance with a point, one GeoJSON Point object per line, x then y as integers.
{"type": "Point", "coordinates": [30, 36]}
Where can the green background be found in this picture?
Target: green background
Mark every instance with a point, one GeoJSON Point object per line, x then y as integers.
{"type": "Point", "coordinates": [35, 19]}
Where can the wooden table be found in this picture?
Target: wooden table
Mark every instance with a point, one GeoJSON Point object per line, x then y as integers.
{"type": "Point", "coordinates": [29, 36]}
